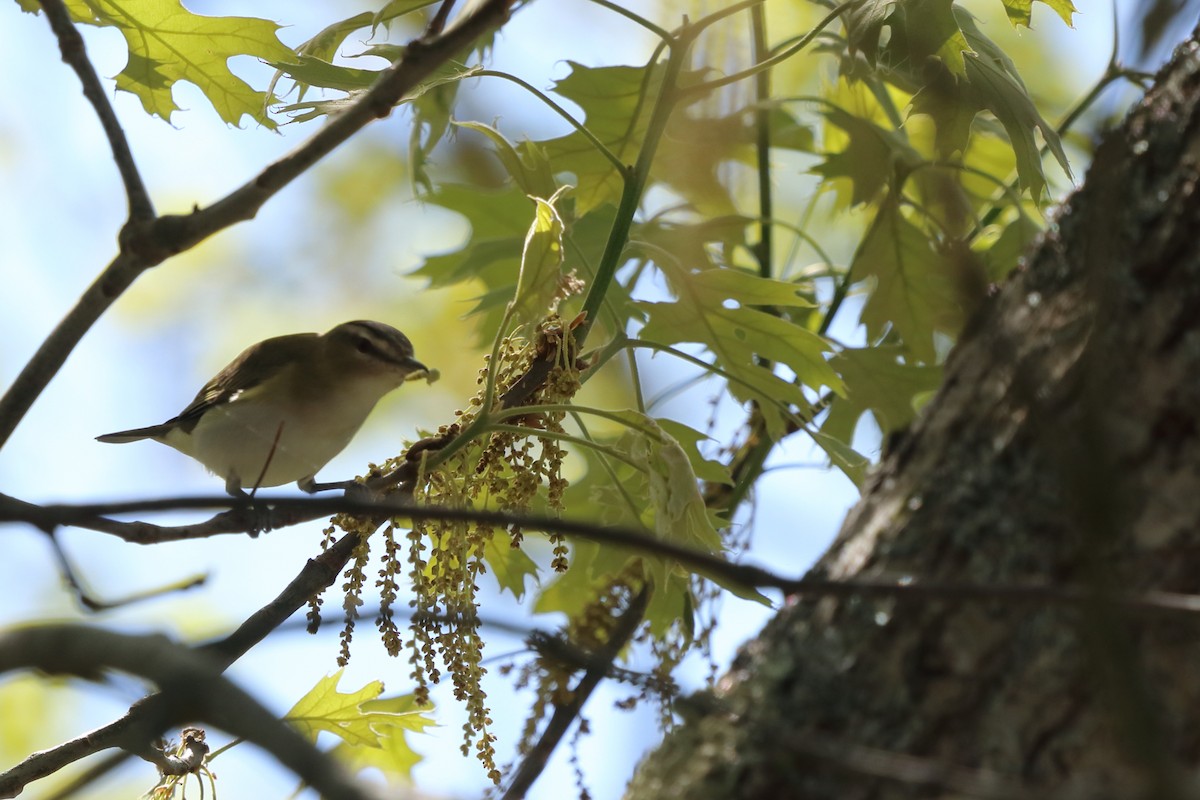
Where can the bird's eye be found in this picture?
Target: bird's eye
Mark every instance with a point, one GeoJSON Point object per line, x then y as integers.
{"type": "Point", "coordinates": [363, 346]}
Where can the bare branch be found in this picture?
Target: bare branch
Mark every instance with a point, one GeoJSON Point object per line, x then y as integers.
{"type": "Point", "coordinates": [192, 688]}
{"type": "Point", "coordinates": [908, 588]}
{"type": "Point", "coordinates": [75, 54]}
{"type": "Point", "coordinates": [130, 731]}
{"type": "Point", "coordinates": [438, 23]}
{"type": "Point", "coordinates": [88, 599]}
{"type": "Point", "coordinates": [565, 713]}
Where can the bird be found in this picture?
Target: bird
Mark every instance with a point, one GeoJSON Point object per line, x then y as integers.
{"type": "Point", "coordinates": [281, 410]}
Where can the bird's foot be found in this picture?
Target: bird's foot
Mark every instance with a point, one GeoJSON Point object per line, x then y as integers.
{"type": "Point", "coordinates": [257, 516]}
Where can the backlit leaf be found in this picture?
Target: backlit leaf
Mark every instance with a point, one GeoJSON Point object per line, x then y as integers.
{"type": "Point", "coordinates": [540, 277]}
{"type": "Point", "coordinates": [167, 43]}
{"type": "Point", "coordinates": [915, 290]}
{"type": "Point", "coordinates": [358, 718]}
{"type": "Point", "coordinates": [874, 158]}
{"type": "Point", "coordinates": [716, 309]}
{"type": "Point", "coordinates": [525, 163]}
{"type": "Point", "coordinates": [614, 111]}
{"type": "Point", "coordinates": [878, 381]}
{"type": "Point", "coordinates": [1020, 11]}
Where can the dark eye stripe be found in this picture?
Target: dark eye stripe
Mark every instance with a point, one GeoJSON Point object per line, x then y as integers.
{"type": "Point", "coordinates": [379, 341]}
{"type": "Point", "coordinates": [366, 346]}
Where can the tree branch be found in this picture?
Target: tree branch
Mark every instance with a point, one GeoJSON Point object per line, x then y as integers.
{"type": "Point", "coordinates": [192, 688]}
{"type": "Point", "coordinates": [564, 714]}
{"type": "Point", "coordinates": [133, 730]}
{"type": "Point", "coordinates": [75, 54]}
{"type": "Point", "coordinates": [709, 565]}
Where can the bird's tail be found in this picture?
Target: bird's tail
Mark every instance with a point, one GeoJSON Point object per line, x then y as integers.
{"type": "Point", "coordinates": [135, 435]}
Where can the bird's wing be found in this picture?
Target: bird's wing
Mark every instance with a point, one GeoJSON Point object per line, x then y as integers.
{"type": "Point", "coordinates": [256, 365]}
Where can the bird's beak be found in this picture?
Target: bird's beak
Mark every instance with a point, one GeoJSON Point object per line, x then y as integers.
{"type": "Point", "coordinates": [411, 366]}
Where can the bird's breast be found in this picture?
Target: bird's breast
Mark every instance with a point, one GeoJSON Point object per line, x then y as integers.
{"type": "Point", "coordinates": [270, 445]}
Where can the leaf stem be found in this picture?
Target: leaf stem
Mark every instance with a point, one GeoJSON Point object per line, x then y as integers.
{"type": "Point", "coordinates": [762, 144]}
{"type": "Point", "coordinates": [801, 43]}
{"type": "Point", "coordinates": [661, 33]}
{"type": "Point", "coordinates": [550, 408]}
{"type": "Point", "coordinates": [556, 108]}
{"type": "Point", "coordinates": [635, 179]}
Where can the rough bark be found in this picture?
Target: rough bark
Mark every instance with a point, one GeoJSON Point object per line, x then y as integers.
{"type": "Point", "coordinates": [1063, 449]}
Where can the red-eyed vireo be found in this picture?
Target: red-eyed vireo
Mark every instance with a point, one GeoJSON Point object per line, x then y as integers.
{"type": "Point", "coordinates": [286, 406]}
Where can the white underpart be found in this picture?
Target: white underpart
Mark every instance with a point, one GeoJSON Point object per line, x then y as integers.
{"type": "Point", "coordinates": [243, 440]}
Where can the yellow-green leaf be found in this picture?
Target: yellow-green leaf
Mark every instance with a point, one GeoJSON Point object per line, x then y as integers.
{"type": "Point", "coordinates": [525, 163]}
{"type": "Point", "coordinates": [852, 463]}
{"type": "Point", "coordinates": [616, 102]}
{"type": "Point", "coordinates": [359, 718]}
{"type": "Point", "coordinates": [874, 157]}
{"type": "Point", "coordinates": [1020, 11]}
{"type": "Point", "coordinates": [878, 381]}
{"type": "Point", "coordinates": [539, 282]}
{"type": "Point", "coordinates": [689, 439]}
{"type": "Point", "coordinates": [915, 291]}
{"type": "Point", "coordinates": [716, 308]}
{"type": "Point", "coordinates": [167, 43]}
{"type": "Point", "coordinates": [510, 566]}
{"type": "Point", "coordinates": [391, 754]}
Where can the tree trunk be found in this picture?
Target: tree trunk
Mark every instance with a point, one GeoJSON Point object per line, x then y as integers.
{"type": "Point", "coordinates": [1063, 451]}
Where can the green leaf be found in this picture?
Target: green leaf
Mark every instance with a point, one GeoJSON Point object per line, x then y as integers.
{"type": "Point", "coordinates": [916, 291]}
{"type": "Point", "coordinates": [393, 757]}
{"type": "Point", "coordinates": [311, 71]}
{"type": "Point", "coordinates": [511, 566]}
{"type": "Point", "coordinates": [325, 45]}
{"type": "Point", "coordinates": [689, 439]}
{"type": "Point", "coordinates": [934, 33]}
{"type": "Point", "coordinates": [977, 75]}
{"type": "Point", "coordinates": [953, 110]}
{"type": "Point", "coordinates": [680, 515]}
{"type": "Point", "coordinates": [617, 102]}
{"type": "Point", "coordinates": [614, 111]}
{"type": "Point", "coordinates": [655, 488]}
{"type": "Point", "coordinates": [1004, 251]}
{"type": "Point", "coordinates": [1020, 11]}
{"type": "Point", "coordinates": [852, 463]}
{"type": "Point", "coordinates": [1002, 93]}
{"type": "Point", "coordinates": [391, 754]}
{"type": "Point", "coordinates": [789, 133]}
{"type": "Point", "coordinates": [525, 163]}
{"type": "Point", "coordinates": [864, 24]}
{"type": "Point", "coordinates": [398, 8]}
{"type": "Point", "coordinates": [539, 282]}
{"type": "Point", "coordinates": [499, 221]}
{"type": "Point", "coordinates": [873, 159]}
{"type": "Point", "coordinates": [918, 31]}
{"type": "Point", "coordinates": [878, 381]}
{"type": "Point", "coordinates": [491, 253]}
{"type": "Point", "coordinates": [715, 309]}
{"type": "Point", "coordinates": [357, 718]}
{"type": "Point", "coordinates": [167, 43]}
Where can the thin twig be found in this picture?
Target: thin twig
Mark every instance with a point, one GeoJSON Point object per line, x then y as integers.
{"type": "Point", "coordinates": [710, 565]}
{"type": "Point", "coordinates": [134, 729]}
{"type": "Point", "coordinates": [438, 23]}
{"type": "Point", "coordinates": [75, 55]}
{"type": "Point", "coordinates": [192, 688]}
{"type": "Point", "coordinates": [88, 599]}
{"type": "Point", "coordinates": [565, 713]}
